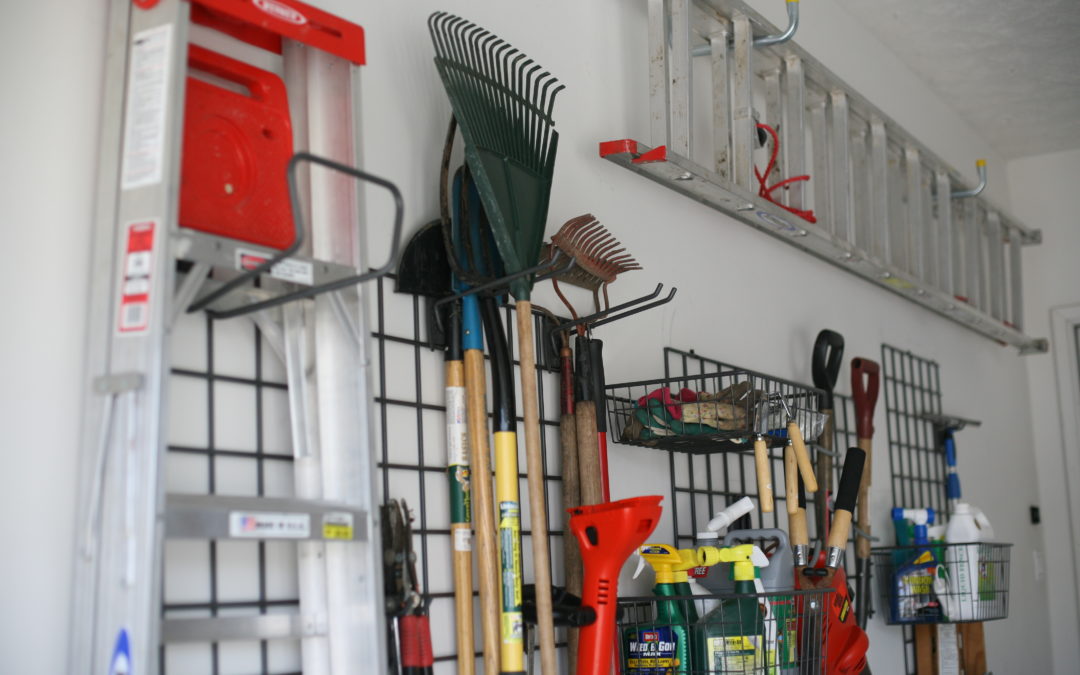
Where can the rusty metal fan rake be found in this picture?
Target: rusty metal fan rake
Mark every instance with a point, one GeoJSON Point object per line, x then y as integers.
{"type": "Point", "coordinates": [598, 255]}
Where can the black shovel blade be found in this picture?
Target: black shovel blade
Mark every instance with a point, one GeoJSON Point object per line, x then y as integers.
{"type": "Point", "coordinates": [424, 268]}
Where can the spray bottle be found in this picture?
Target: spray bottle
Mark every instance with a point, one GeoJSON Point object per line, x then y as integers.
{"type": "Point", "coordinates": [715, 580]}
{"type": "Point", "coordinates": [665, 646]}
{"type": "Point", "coordinates": [732, 636]}
{"type": "Point", "coordinates": [912, 598]}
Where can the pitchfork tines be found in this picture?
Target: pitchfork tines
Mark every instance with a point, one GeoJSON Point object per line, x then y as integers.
{"type": "Point", "coordinates": [599, 256]}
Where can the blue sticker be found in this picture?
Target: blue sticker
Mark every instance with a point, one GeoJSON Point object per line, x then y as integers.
{"type": "Point", "coordinates": [778, 223]}
{"type": "Point", "coordinates": [120, 664]}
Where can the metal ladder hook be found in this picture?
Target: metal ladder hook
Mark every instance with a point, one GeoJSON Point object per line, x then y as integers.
{"type": "Point", "coordinates": [980, 166]}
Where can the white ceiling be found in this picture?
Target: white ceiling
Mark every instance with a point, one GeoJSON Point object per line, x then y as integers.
{"type": "Point", "coordinates": [1010, 67]}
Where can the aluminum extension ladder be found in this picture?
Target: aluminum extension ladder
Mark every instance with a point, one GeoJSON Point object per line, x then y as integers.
{"type": "Point", "coordinates": [309, 306]}
{"type": "Point", "coordinates": [887, 208]}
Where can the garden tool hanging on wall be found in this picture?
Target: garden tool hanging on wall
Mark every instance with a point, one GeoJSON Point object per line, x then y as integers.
{"type": "Point", "coordinates": [503, 102]}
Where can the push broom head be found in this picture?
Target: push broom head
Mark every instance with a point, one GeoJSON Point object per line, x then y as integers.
{"type": "Point", "coordinates": [502, 101]}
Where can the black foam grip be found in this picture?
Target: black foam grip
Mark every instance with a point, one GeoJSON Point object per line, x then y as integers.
{"type": "Point", "coordinates": [848, 492]}
{"type": "Point", "coordinates": [596, 356]}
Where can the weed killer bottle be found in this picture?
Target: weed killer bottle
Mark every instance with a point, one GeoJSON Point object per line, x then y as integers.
{"type": "Point", "coordinates": [663, 646]}
{"type": "Point", "coordinates": [967, 527]}
{"type": "Point", "coordinates": [732, 636]}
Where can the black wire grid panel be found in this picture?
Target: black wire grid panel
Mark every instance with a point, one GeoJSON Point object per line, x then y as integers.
{"type": "Point", "coordinates": [751, 634]}
{"type": "Point", "coordinates": [912, 387]}
{"type": "Point", "coordinates": [229, 433]}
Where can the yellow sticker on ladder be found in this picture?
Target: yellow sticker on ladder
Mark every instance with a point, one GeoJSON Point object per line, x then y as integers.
{"type": "Point", "coordinates": [338, 526]}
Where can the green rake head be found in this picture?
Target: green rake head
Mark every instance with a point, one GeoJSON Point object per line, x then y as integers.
{"type": "Point", "coordinates": [502, 101]}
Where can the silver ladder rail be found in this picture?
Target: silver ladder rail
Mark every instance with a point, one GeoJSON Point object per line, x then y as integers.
{"type": "Point", "coordinates": [124, 512]}
{"type": "Point", "coordinates": [887, 208]}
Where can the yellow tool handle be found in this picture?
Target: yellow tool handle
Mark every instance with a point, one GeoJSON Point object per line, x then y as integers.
{"type": "Point", "coordinates": [806, 467]}
{"type": "Point", "coordinates": [534, 460]}
{"type": "Point", "coordinates": [764, 474]}
{"type": "Point", "coordinates": [487, 553]}
{"type": "Point", "coordinates": [791, 480]}
{"type": "Point", "coordinates": [512, 629]}
{"type": "Point", "coordinates": [862, 543]}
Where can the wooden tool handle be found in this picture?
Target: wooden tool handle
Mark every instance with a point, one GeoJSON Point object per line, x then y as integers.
{"type": "Point", "coordinates": [841, 529]}
{"type": "Point", "coordinates": [764, 474]}
{"type": "Point", "coordinates": [791, 480]}
{"type": "Point", "coordinates": [592, 489]}
{"type": "Point", "coordinates": [802, 455]}
{"type": "Point", "coordinates": [571, 497]}
{"type": "Point", "coordinates": [545, 621]}
{"type": "Point", "coordinates": [483, 507]}
{"type": "Point", "coordinates": [862, 544]}
{"type": "Point", "coordinates": [797, 525]}
{"type": "Point", "coordinates": [824, 475]}
{"type": "Point", "coordinates": [457, 450]}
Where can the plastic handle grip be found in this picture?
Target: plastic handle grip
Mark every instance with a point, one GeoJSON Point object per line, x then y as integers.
{"type": "Point", "coordinates": [952, 486]}
{"type": "Point", "coordinates": [864, 389]}
{"type": "Point", "coordinates": [950, 450]}
{"type": "Point", "coordinates": [848, 493]}
{"type": "Point", "coordinates": [827, 359]}
{"type": "Point", "coordinates": [607, 534]}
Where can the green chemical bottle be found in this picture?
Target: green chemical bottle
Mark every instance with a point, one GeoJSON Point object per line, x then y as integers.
{"type": "Point", "coordinates": [731, 637]}
{"type": "Point", "coordinates": [664, 646]}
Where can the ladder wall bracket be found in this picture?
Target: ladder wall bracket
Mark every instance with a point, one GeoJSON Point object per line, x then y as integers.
{"type": "Point", "coordinates": [707, 187]}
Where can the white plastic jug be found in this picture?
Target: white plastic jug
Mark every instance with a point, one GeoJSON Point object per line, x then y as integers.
{"type": "Point", "coordinates": [970, 526]}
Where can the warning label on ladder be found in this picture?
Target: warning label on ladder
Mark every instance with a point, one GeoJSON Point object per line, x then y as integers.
{"type": "Point", "coordinates": [144, 119]}
{"type": "Point", "coordinates": [135, 288]}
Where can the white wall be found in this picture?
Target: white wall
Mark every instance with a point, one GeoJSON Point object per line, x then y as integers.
{"type": "Point", "coordinates": [51, 56]}
{"type": "Point", "coordinates": [730, 306]}
{"type": "Point", "coordinates": [1041, 189]}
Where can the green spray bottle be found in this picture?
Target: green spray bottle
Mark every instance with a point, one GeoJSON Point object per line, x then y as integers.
{"type": "Point", "coordinates": [732, 636]}
{"type": "Point", "coordinates": [664, 646]}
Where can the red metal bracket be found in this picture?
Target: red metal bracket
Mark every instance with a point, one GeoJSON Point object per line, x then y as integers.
{"type": "Point", "coordinates": [628, 145]}
{"type": "Point", "coordinates": [264, 22]}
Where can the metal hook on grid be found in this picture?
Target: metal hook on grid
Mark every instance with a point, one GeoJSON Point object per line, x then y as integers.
{"type": "Point", "coordinates": [609, 315]}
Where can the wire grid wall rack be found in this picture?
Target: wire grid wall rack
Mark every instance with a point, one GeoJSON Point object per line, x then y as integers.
{"type": "Point", "coordinates": [229, 433]}
{"type": "Point", "coordinates": [916, 464]}
{"type": "Point", "coordinates": [702, 484]}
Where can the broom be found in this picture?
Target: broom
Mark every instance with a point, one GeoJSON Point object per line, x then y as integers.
{"type": "Point", "coordinates": [503, 101]}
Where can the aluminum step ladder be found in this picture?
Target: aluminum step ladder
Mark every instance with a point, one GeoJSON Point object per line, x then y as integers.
{"type": "Point", "coordinates": [308, 302]}
{"type": "Point", "coordinates": [886, 207]}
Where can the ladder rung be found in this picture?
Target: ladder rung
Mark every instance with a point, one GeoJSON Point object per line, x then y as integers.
{"type": "Point", "coordinates": [227, 628]}
{"type": "Point", "coordinates": [190, 516]}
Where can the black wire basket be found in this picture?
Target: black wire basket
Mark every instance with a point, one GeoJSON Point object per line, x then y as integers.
{"type": "Point", "coordinates": [714, 412]}
{"type": "Point", "coordinates": [943, 583]}
{"type": "Point", "coordinates": [763, 633]}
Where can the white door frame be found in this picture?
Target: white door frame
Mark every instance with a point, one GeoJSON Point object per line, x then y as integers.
{"type": "Point", "coordinates": [1065, 341]}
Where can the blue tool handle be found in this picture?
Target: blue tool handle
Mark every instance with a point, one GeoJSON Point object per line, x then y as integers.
{"type": "Point", "coordinates": [950, 449]}
{"type": "Point", "coordinates": [952, 486]}
{"type": "Point", "coordinates": [472, 336]}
